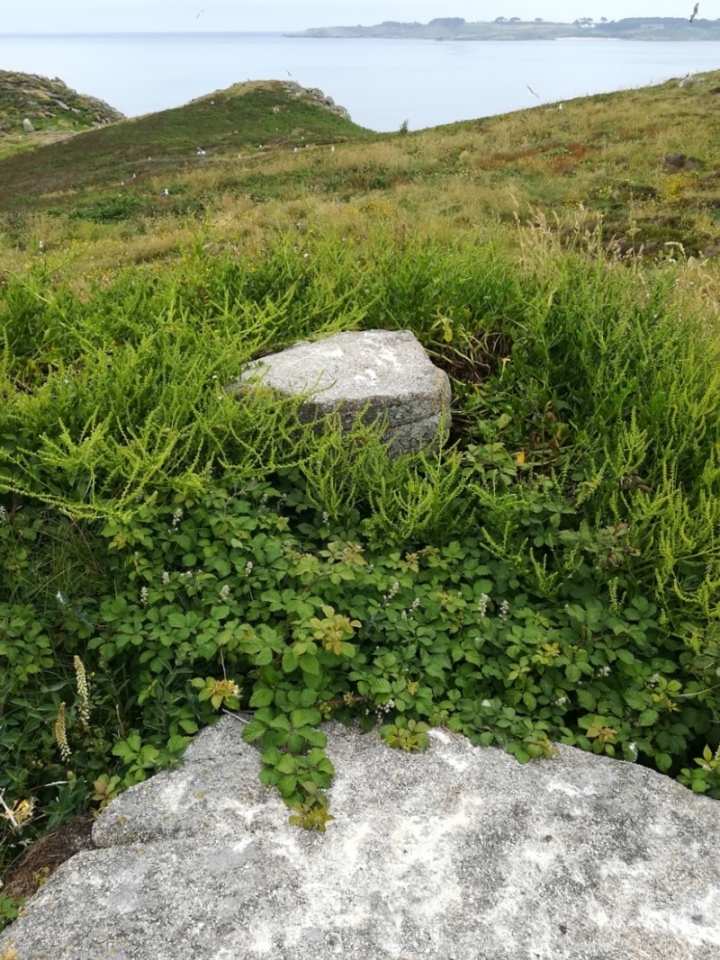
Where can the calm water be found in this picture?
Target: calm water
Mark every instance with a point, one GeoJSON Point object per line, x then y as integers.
{"type": "Point", "coordinates": [381, 82]}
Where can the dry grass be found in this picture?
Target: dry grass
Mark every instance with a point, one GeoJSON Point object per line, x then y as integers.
{"type": "Point", "coordinates": [594, 173]}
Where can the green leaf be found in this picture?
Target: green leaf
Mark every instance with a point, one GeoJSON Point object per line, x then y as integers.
{"type": "Point", "coordinates": [295, 743]}
{"type": "Point", "coordinates": [309, 664]}
{"type": "Point", "coordinates": [289, 661]}
{"type": "Point", "coordinates": [636, 699]}
{"type": "Point", "coordinates": [573, 672]}
{"type": "Point", "coordinates": [253, 731]}
{"type": "Point", "coordinates": [269, 776]}
{"type": "Point", "coordinates": [586, 698]}
{"type": "Point", "coordinates": [262, 697]}
{"type": "Point", "coordinates": [308, 697]}
{"type": "Point", "coordinates": [625, 656]}
{"type": "Point", "coordinates": [648, 717]}
{"type": "Point", "coordinates": [315, 738]}
{"type": "Point", "coordinates": [271, 756]}
{"type": "Point", "coordinates": [287, 784]}
{"type": "Point", "coordinates": [305, 717]}
{"type": "Point", "coordinates": [280, 723]}
{"type": "Point", "coordinates": [663, 761]}
{"type": "Point", "coordinates": [287, 763]}
{"type": "Point", "coordinates": [263, 657]}
{"type": "Point", "coordinates": [435, 669]}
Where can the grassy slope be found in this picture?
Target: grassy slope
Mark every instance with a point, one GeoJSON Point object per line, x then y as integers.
{"type": "Point", "coordinates": [55, 111]}
{"type": "Point", "coordinates": [601, 156]}
{"type": "Point", "coordinates": [166, 143]}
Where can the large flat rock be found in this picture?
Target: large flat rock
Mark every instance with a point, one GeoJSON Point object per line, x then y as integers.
{"type": "Point", "coordinates": [376, 373]}
{"type": "Point", "coordinates": [457, 853]}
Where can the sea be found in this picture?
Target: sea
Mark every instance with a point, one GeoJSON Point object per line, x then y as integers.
{"type": "Point", "coordinates": [382, 83]}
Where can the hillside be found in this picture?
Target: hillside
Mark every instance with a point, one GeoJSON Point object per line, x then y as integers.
{"type": "Point", "coordinates": [54, 110]}
{"type": "Point", "coordinates": [250, 117]}
{"type": "Point", "coordinates": [640, 165]}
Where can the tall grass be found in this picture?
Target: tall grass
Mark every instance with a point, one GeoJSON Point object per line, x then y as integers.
{"type": "Point", "coordinates": [602, 376]}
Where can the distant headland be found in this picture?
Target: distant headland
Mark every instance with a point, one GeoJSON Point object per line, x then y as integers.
{"type": "Point", "coordinates": [514, 28]}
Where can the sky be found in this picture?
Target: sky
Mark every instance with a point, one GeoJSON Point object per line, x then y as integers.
{"type": "Point", "coordinates": [99, 16]}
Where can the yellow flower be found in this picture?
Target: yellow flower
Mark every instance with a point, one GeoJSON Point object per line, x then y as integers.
{"type": "Point", "coordinates": [20, 813]}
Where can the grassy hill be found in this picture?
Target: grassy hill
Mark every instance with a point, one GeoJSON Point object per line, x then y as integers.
{"type": "Point", "coordinates": [167, 549]}
{"type": "Point", "coordinates": [55, 111]}
{"type": "Point", "coordinates": [268, 144]}
{"type": "Point", "coordinates": [249, 117]}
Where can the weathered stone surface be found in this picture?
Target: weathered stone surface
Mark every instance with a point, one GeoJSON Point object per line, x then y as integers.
{"type": "Point", "coordinates": [458, 853]}
{"type": "Point", "coordinates": [386, 371]}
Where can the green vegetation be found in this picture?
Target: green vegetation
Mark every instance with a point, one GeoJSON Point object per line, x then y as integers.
{"type": "Point", "coordinates": [55, 111]}
{"type": "Point", "coordinates": [170, 550]}
{"type": "Point", "coordinates": [246, 117]}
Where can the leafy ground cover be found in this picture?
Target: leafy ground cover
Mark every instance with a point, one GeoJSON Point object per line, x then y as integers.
{"type": "Point", "coordinates": [169, 550]}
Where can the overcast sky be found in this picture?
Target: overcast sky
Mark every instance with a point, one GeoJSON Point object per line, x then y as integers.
{"type": "Point", "coordinates": [97, 16]}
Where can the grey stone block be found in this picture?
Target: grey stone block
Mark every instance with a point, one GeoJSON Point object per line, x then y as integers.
{"type": "Point", "coordinates": [456, 853]}
{"type": "Point", "coordinates": [377, 373]}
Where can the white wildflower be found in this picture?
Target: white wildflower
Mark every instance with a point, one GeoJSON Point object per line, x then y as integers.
{"type": "Point", "coordinates": [143, 595]}
{"type": "Point", "coordinates": [483, 604]}
{"type": "Point", "coordinates": [224, 592]}
{"type": "Point", "coordinates": [384, 708]}
{"type": "Point", "coordinates": [391, 593]}
{"type": "Point", "coordinates": [248, 568]}
{"type": "Point", "coordinates": [177, 517]}
{"type": "Point", "coordinates": [165, 578]}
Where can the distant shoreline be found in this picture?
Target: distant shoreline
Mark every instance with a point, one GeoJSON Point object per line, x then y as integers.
{"type": "Point", "coordinates": [457, 29]}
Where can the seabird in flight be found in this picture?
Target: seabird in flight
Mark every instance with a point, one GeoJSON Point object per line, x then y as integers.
{"type": "Point", "coordinates": [695, 12]}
